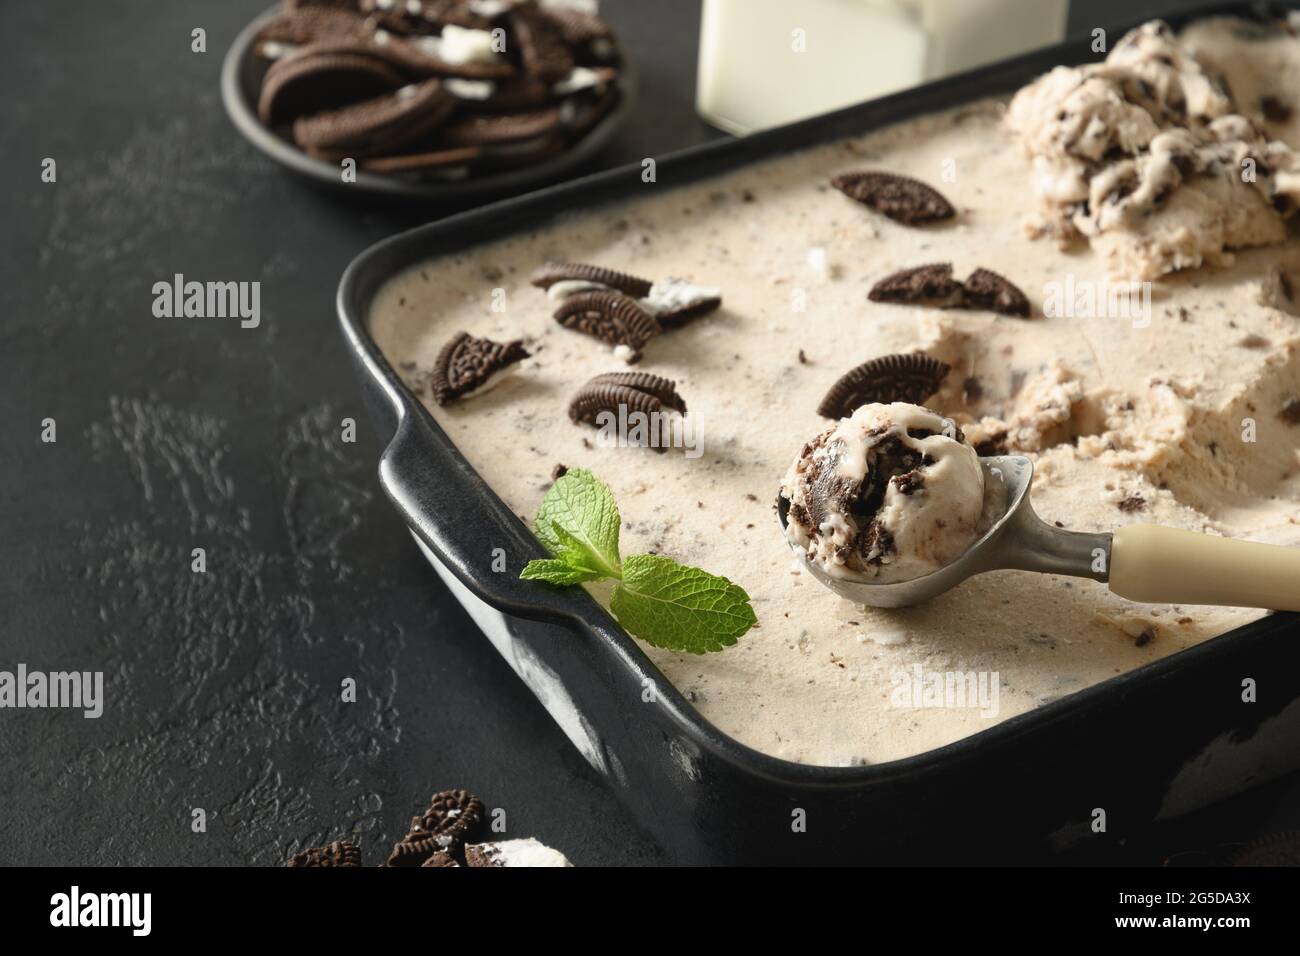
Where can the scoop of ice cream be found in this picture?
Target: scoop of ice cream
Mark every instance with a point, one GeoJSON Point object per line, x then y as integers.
{"type": "Point", "coordinates": [1147, 157]}
{"type": "Point", "coordinates": [891, 493]}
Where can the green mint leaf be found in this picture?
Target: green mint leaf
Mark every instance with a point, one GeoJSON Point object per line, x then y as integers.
{"type": "Point", "coordinates": [680, 608]}
{"type": "Point", "coordinates": [555, 571]}
{"type": "Point", "coordinates": [578, 523]}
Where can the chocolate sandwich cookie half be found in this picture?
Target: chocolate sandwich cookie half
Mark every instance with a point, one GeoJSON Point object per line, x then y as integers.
{"type": "Point", "coordinates": [306, 82]}
{"type": "Point", "coordinates": [467, 366]}
{"type": "Point", "coordinates": [375, 127]}
{"type": "Point", "coordinates": [566, 277]}
{"type": "Point", "coordinates": [502, 128]}
{"type": "Point", "coordinates": [909, 378]}
{"type": "Point", "coordinates": [612, 317]}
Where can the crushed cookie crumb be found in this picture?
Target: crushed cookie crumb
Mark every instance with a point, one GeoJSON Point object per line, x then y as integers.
{"type": "Point", "coordinates": [1290, 411]}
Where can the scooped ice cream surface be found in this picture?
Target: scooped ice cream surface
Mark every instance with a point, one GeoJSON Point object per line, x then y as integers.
{"type": "Point", "coordinates": [891, 493]}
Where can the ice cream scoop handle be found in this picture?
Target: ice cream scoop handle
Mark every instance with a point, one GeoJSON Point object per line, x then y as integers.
{"type": "Point", "coordinates": [1171, 566]}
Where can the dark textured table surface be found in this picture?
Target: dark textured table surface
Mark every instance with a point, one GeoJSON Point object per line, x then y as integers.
{"type": "Point", "coordinates": [223, 688]}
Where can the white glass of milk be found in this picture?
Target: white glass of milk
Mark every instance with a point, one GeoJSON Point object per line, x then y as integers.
{"type": "Point", "coordinates": [767, 62]}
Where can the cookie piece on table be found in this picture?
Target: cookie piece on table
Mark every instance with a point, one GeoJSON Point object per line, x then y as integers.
{"type": "Point", "coordinates": [338, 853]}
{"type": "Point", "coordinates": [454, 813]}
{"type": "Point", "coordinates": [440, 859]}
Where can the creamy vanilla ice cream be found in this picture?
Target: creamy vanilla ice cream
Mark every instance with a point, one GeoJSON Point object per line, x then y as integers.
{"type": "Point", "coordinates": [889, 494]}
{"type": "Point", "coordinates": [1178, 405]}
{"type": "Point", "coordinates": [1148, 156]}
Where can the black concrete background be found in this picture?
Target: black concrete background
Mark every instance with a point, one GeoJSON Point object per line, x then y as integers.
{"type": "Point", "coordinates": [223, 688]}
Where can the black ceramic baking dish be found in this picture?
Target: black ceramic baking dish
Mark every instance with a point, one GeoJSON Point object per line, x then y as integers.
{"type": "Point", "coordinates": [1146, 745]}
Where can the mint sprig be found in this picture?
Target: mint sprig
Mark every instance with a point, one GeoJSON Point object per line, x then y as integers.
{"type": "Point", "coordinates": [664, 603]}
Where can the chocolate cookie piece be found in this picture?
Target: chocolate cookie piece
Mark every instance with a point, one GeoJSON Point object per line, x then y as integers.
{"type": "Point", "coordinates": [1275, 110]}
{"type": "Point", "coordinates": [440, 859]}
{"type": "Point", "coordinates": [597, 398]}
{"type": "Point", "coordinates": [338, 853]}
{"type": "Point", "coordinates": [442, 159]}
{"type": "Point", "coordinates": [467, 364]}
{"type": "Point", "coordinates": [423, 16]}
{"type": "Point", "coordinates": [541, 45]}
{"type": "Point", "coordinates": [910, 378]}
{"type": "Point", "coordinates": [419, 845]}
{"type": "Point", "coordinates": [424, 55]}
{"type": "Point", "coordinates": [554, 272]}
{"type": "Point", "coordinates": [611, 317]}
{"type": "Point", "coordinates": [305, 82]}
{"type": "Point", "coordinates": [901, 198]}
{"type": "Point", "coordinates": [523, 153]}
{"type": "Point", "coordinates": [454, 813]}
{"type": "Point", "coordinates": [577, 27]}
{"type": "Point", "coordinates": [516, 94]}
{"type": "Point", "coordinates": [931, 285]}
{"type": "Point", "coordinates": [1290, 410]}
{"type": "Point", "coordinates": [662, 390]}
{"type": "Point", "coordinates": [375, 127]}
{"type": "Point", "coordinates": [478, 855]}
{"type": "Point", "coordinates": [502, 128]}
{"type": "Point", "coordinates": [985, 289]}
{"type": "Point", "coordinates": [300, 25]}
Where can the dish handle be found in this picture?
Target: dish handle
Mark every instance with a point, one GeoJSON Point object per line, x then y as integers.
{"type": "Point", "coordinates": [446, 504]}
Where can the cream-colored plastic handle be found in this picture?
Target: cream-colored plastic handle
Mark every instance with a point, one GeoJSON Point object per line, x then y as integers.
{"type": "Point", "coordinates": [1169, 566]}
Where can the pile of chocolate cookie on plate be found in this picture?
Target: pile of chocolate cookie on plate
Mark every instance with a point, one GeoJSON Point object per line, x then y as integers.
{"type": "Point", "coordinates": [437, 89]}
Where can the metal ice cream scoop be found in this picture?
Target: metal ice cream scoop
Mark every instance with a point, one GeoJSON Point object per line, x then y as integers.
{"type": "Point", "coordinates": [1141, 562]}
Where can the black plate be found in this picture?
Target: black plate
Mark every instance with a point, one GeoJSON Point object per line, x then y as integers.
{"type": "Point", "coordinates": [241, 79]}
{"type": "Point", "coordinates": [1149, 744]}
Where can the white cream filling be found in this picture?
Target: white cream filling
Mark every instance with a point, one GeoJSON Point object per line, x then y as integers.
{"type": "Point", "coordinates": [272, 50]}
{"type": "Point", "coordinates": [582, 6]}
{"type": "Point", "coordinates": [559, 291]}
{"type": "Point", "coordinates": [490, 8]}
{"type": "Point", "coordinates": [579, 78]}
{"type": "Point", "coordinates": [460, 46]}
{"type": "Point", "coordinates": [673, 295]}
{"type": "Point", "coordinates": [464, 89]}
{"type": "Point", "coordinates": [492, 381]}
